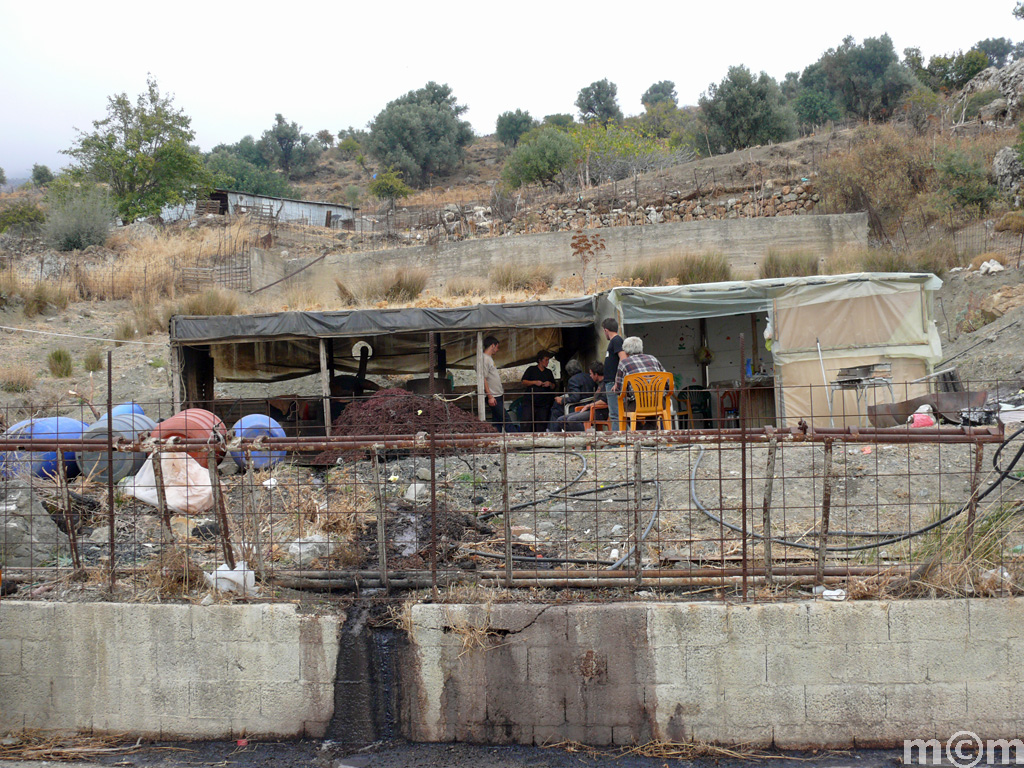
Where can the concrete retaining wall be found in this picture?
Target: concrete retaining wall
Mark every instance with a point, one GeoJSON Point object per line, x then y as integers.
{"type": "Point", "coordinates": [793, 674]}
{"type": "Point", "coordinates": [744, 241]}
{"type": "Point", "coordinates": [166, 671]}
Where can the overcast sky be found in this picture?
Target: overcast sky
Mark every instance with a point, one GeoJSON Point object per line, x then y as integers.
{"type": "Point", "coordinates": [231, 66]}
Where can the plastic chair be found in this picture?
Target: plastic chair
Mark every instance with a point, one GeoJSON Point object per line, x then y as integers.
{"type": "Point", "coordinates": [695, 401]}
{"type": "Point", "coordinates": [728, 407]}
{"type": "Point", "coordinates": [652, 394]}
{"type": "Point", "coordinates": [593, 422]}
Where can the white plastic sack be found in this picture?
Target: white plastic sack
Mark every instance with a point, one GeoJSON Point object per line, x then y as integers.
{"type": "Point", "coordinates": [241, 579]}
{"type": "Point", "coordinates": [187, 486]}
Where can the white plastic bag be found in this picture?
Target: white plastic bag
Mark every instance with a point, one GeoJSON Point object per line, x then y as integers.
{"type": "Point", "coordinates": [187, 486]}
{"type": "Point", "coordinates": [241, 579]}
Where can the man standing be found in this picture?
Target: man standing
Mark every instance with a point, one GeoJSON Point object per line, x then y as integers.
{"type": "Point", "coordinates": [611, 365]}
{"type": "Point", "coordinates": [636, 362]}
{"type": "Point", "coordinates": [580, 386]}
{"type": "Point", "coordinates": [541, 393]}
{"type": "Point", "coordinates": [493, 389]}
{"type": "Point", "coordinates": [573, 422]}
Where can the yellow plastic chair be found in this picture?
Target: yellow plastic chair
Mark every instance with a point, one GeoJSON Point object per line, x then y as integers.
{"type": "Point", "coordinates": [652, 392]}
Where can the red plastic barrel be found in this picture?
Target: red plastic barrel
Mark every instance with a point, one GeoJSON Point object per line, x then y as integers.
{"type": "Point", "coordinates": [193, 424]}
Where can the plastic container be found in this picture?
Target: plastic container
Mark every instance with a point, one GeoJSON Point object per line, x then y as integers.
{"type": "Point", "coordinates": [253, 426]}
{"type": "Point", "coordinates": [194, 424]}
{"type": "Point", "coordinates": [130, 426]}
{"type": "Point", "coordinates": [124, 408]}
{"type": "Point", "coordinates": [42, 463]}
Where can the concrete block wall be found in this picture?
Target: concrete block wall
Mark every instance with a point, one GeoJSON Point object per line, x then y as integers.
{"type": "Point", "coordinates": [166, 671]}
{"type": "Point", "coordinates": [793, 674]}
{"type": "Point", "coordinates": [745, 242]}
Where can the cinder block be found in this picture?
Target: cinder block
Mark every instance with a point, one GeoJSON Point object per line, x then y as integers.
{"type": "Point", "coordinates": [543, 622]}
{"type": "Point", "coordinates": [894, 662]}
{"type": "Point", "coordinates": [957, 659]}
{"type": "Point", "coordinates": [10, 656]}
{"type": "Point", "coordinates": [220, 698]}
{"type": "Point", "coordinates": [168, 697]}
{"type": "Point", "coordinates": [669, 664]}
{"type": "Point", "coordinates": [261, 661]}
{"type": "Point", "coordinates": [808, 736]}
{"type": "Point", "coordinates": [763, 706]}
{"type": "Point", "coordinates": [185, 660]}
{"type": "Point", "coordinates": [767, 623]}
{"type": "Point", "coordinates": [547, 664]}
{"type": "Point", "coordinates": [545, 735]}
{"type": "Point", "coordinates": [839, 624]}
{"type": "Point", "coordinates": [595, 735]}
{"type": "Point", "coordinates": [280, 621]}
{"type": "Point", "coordinates": [996, 617]}
{"type": "Point", "coordinates": [315, 729]}
{"type": "Point", "coordinates": [227, 623]}
{"type": "Point", "coordinates": [805, 663]}
{"type": "Point", "coordinates": [191, 728]}
{"type": "Point", "coordinates": [926, 704]}
{"type": "Point", "coordinates": [997, 701]}
{"type": "Point", "coordinates": [675, 624]}
{"type": "Point", "coordinates": [428, 616]}
{"type": "Point", "coordinates": [27, 620]}
{"type": "Point", "coordinates": [910, 620]}
{"type": "Point", "coordinates": [720, 665]}
{"type": "Point", "coordinates": [605, 705]}
{"type": "Point", "coordinates": [859, 707]}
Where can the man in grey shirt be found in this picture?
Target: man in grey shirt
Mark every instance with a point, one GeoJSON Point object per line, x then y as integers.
{"type": "Point", "coordinates": [493, 389]}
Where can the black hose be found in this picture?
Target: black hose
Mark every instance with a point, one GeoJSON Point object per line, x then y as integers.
{"type": "Point", "coordinates": [995, 458]}
{"type": "Point", "coordinates": [553, 494]}
{"type": "Point", "coordinates": [1003, 474]}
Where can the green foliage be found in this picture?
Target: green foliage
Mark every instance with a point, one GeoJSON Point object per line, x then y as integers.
{"type": "Point", "coordinates": [742, 111]}
{"type": "Point", "coordinates": [246, 149]}
{"type": "Point", "coordinates": [352, 195]}
{"type": "Point", "coordinates": [561, 120]}
{"type": "Point", "coordinates": [815, 108]}
{"type": "Point", "coordinates": [421, 133]}
{"type": "Point", "coordinates": [388, 185]}
{"type": "Point", "coordinates": [666, 121]}
{"type": "Point", "coordinates": [613, 152]}
{"type": "Point", "coordinates": [59, 362]}
{"type": "Point", "coordinates": [233, 172]}
{"type": "Point", "coordinates": [998, 50]}
{"type": "Point", "coordinates": [511, 126]}
{"type": "Point", "coordinates": [948, 72]}
{"type": "Point", "coordinates": [542, 156]}
{"type": "Point", "coordinates": [597, 102]}
{"type": "Point", "coordinates": [971, 108]}
{"type": "Point", "coordinates": [3, 178]}
{"type": "Point", "coordinates": [1018, 11]}
{"type": "Point", "coordinates": [965, 180]}
{"type": "Point", "coordinates": [921, 106]}
{"type": "Point", "coordinates": [21, 217]}
{"type": "Point", "coordinates": [866, 81]}
{"type": "Point", "coordinates": [142, 151]}
{"type": "Point", "coordinates": [661, 92]}
{"type": "Point", "coordinates": [41, 175]}
{"type": "Point", "coordinates": [348, 147]}
{"type": "Point", "coordinates": [285, 146]}
{"type": "Point", "coordinates": [77, 216]}
{"type": "Point", "coordinates": [325, 137]}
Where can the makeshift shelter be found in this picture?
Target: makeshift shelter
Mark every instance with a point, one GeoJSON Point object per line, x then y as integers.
{"type": "Point", "coordinates": [817, 327]}
{"type": "Point", "coordinates": [289, 345]}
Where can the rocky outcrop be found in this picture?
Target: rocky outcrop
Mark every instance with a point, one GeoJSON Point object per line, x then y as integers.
{"type": "Point", "coordinates": [1009, 173]}
{"type": "Point", "coordinates": [1009, 81]}
{"type": "Point", "coordinates": [30, 537]}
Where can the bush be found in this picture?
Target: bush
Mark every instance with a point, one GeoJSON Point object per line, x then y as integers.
{"type": "Point", "coordinates": [93, 361]}
{"type": "Point", "coordinates": [788, 265]}
{"type": "Point", "coordinates": [59, 363]}
{"type": "Point", "coordinates": [78, 218]}
{"type": "Point", "coordinates": [17, 377]}
{"type": "Point", "coordinates": [213, 301]}
{"type": "Point", "coordinates": [348, 299]}
{"type": "Point", "coordinates": [21, 218]}
{"type": "Point", "coordinates": [125, 329]}
{"type": "Point", "coordinates": [511, 276]}
{"type": "Point", "coordinates": [43, 295]}
{"type": "Point", "coordinates": [965, 180]}
{"type": "Point", "coordinates": [401, 284]}
{"type": "Point", "coordinates": [688, 269]}
{"type": "Point", "coordinates": [147, 318]}
{"type": "Point", "coordinates": [1011, 222]}
{"type": "Point", "coordinates": [465, 285]}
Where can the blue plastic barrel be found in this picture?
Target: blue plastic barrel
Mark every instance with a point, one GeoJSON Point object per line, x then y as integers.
{"type": "Point", "coordinates": [123, 408]}
{"type": "Point", "coordinates": [253, 426]}
{"type": "Point", "coordinates": [42, 463]}
{"type": "Point", "coordinates": [129, 426]}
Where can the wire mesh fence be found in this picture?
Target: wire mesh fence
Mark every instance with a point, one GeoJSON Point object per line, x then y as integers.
{"type": "Point", "coordinates": [404, 495]}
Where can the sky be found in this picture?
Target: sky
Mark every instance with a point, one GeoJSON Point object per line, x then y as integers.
{"type": "Point", "coordinates": [232, 66]}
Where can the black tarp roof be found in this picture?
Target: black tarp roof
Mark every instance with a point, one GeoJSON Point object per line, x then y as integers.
{"type": "Point", "coordinates": [562, 313]}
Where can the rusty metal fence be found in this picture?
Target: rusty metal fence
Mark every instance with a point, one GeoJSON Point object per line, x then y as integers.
{"type": "Point", "coordinates": [722, 510]}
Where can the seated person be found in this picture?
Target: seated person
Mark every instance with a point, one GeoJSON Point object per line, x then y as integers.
{"type": "Point", "coordinates": [574, 420]}
{"type": "Point", "coordinates": [580, 386]}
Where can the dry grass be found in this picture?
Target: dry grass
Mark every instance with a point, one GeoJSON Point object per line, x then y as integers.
{"type": "Point", "coordinates": [796, 264]}
{"type": "Point", "coordinates": [125, 329]}
{"type": "Point", "coordinates": [685, 269]}
{"type": "Point", "coordinates": [981, 258]}
{"type": "Point", "coordinates": [43, 295]}
{"type": "Point", "coordinates": [59, 362]}
{"type": "Point", "coordinates": [394, 285]}
{"type": "Point", "coordinates": [513, 276]}
{"type": "Point", "coordinates": [148, 319]}
{"type": "Point", "coordinates": [173, 574]}
{"type": "Point", "coordinates": [93, 360]}
{"type": "Point", "coordinates": [1011, 222]}
{"type": "Point", "coordinates": [466, 285]}
{"type": "Point", "coordinates": [32, 746]}
{"type": "Point", "coordinates": [17, 377]}
{"type": "Point", "coordinates": [936, 258]}
{"type": "Point", "coordinates": [345, 296]}
{"type": "Point", "coordinates": [212, 301]}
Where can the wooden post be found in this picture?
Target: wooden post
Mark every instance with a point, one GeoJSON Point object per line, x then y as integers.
{"type": "Point", "coordinates": [176, 378]}
{"type": "Point", "coordinates": [481, 398]}
{"type": "Point", "coordinates": [325, 384]}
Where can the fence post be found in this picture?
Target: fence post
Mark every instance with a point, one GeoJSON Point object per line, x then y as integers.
{"type": "Point", "coordinates": [826, 508]}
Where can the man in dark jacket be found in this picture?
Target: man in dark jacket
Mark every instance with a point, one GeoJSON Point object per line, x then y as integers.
{"type": "Point", "coordinates": [573, 421]}
{"type": "Point", "coordinates": [580, 386]}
